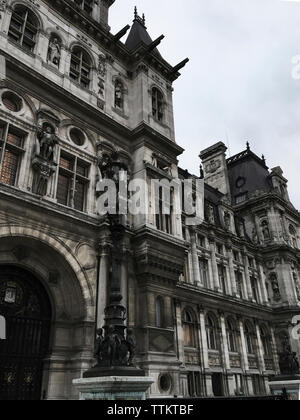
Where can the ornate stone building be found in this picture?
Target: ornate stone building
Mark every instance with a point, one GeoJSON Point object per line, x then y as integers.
{"type": "Point", "coordinates": [211, 305]}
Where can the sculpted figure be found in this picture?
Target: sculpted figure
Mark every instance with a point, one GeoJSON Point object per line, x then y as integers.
{"type": "Point", "coordinates": [47, 142]}
{"type": "Point", "coordinates": [54, 52]}
{"type": "Point", "coordinates": [99, 345]}
{"type": "Point", "coordinates": [131, 346]}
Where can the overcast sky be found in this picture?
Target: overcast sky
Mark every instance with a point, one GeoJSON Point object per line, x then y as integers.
{"type": "Point", "coordinates": [238, 85]}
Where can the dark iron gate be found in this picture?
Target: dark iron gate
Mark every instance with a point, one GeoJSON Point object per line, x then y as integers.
{"type": "Point", "coordinates": [25, 305]}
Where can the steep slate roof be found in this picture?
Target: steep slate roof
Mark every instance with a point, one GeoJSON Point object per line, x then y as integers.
{"type": "Point", "coordinates": [139, 34]}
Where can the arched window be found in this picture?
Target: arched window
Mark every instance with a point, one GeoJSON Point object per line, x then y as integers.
{"type": "Point", "coordinates": [157, 104]}
{"type": "Point", "coordinates": [212, 333]}
{"type": "Point", "coordinates": [159, 312]}
{"type": "Point", "coordinates": [188, 329]}
{"type": "Point", "coordinates": [86, 5]}
{"type": "Point", "coordinates": [249, 337]}
{"type": "Point", "coordinates": [231, 337]}
{"type": "Point", "coordinates": [80, 69]}
{"type": "Point", "coordinates": [24, 26]}
{"type": "Point", "coordinates": [266, 341]}
{"type": "Point", "coordinates": [119, 95]}
{"type": "Point", "coordinates": [293, 236]}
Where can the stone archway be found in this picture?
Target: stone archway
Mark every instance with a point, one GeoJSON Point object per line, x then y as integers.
{"type": "Point", "coordinates": [73, 311]}
{"type": "Point", "coordinates": [27, 310]}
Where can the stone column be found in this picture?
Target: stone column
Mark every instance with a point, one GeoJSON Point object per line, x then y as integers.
{"type": "Point", "coordinates": [275, 351]}
{"type": "Point", "coordinates": [195, 260]}
{"type": "Point", "coordinates": [244, 353]}
{"type": "Point", "coordinates": [203, 339]}
{"type": "Point", "coordinates": [247, 276]}
{"type": "Point", "coordinates": [214, 265]}
{"type": "Point", "coordinates": [225, 350]}
{"type": "Point", "coordinates": [232, 272]}
{"type": "Point", "coordinates": [180, 337]}
{"type": "Point", "coordinates": [103, 284]}
{"type": "Point", "coordinates": [261, 355]}
{"type": "Point", "coordinates": [124, 281]}
{"type": "Point", "coordinates": [262, 279]}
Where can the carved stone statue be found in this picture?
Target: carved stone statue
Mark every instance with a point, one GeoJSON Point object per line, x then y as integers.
{"type": "Point", "coordinates": [288, 361]}
{"type": "Point", "coordinates": [54, 52]}
{"type": "Point", "coordinates": [227, 220]}
{"type": "Point", "coordinates": [266, 231]}
{"type": "Point", "coordinates": [131, 343]}
{"type": "Point", "coordinates": [276, 289]}
{"type": "Point", "coordinates": [254, 235]}
{"type": "Point", "coordinates": [47, 142]}
{"type": "Point", "coordinates": [99, 345]}
{"type": "Point", "coordinates": [119, 95]}
{"type": "Point", "coordinates": [211, 215]}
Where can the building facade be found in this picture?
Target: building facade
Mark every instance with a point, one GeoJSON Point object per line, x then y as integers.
{"type": "Point", "coordinates": [211, 305]}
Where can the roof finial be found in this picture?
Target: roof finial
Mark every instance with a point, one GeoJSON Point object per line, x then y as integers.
{"type": "Point", "coordinates": [263, 159]}
{"type": "Point", "coordinates": [144, 19]}
{"type": "Point", "coordinates": [248, 146]}
{"type": "Point", "coordinates": [135, 12]}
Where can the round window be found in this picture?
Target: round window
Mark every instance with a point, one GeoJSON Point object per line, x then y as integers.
{"type": "Point", "coordinates": [12, 101]}
{"type": "Point", "coordinates": [165, 382]}
{"type": "Point", "coordinates": [77, 136]}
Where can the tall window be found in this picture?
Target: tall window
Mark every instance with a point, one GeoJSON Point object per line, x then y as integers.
{"type": "Point", "coordinates": [249, 336]}
{"type": "Point", "coordinates": [231, 337]}
{"type": "Point", "coordinates": [72, 182]}
{"type": "Point", "coordinates": [11, 150]}
{"type": "Point", "coordinates": [212, 333]}
{"type": "Point", "coordinates": [266, 342]}
{"type": "Point", "coordinates": [80, 69]}
{"type": "Point", "coordinates": [188, 329]}
{"type": "Point", "coordinates": [222, 278]}
{"type": "Point", "coordinates": [86, 5]}
{"type": "Point", "coordinates": [159, 314]}
{"type": "Point", "coordinates": [239, 284]}
{"type": "Point", "coordinates": [157, 104]}
{"type": "Point", "coordinates": [254, 287]}
{"type": "Point", "coordinates": [23, 28]}
{"type": "Point", "coordinates": [203, 266]}
{"type": "Point", "coordinates": [164, 210]}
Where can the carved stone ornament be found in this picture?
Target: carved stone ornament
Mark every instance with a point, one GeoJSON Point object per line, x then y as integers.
{"type": "Point", "coordinates": [213, 166]}
{"type": "Point", "coordinates": [102, 65]}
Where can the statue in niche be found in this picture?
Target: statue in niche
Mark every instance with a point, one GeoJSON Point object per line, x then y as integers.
{"type": "Point", "coordinates": [211, 214]}
{"type": "Point", "coordinates": [241, 228]}
{"type": "Point", "coordinates": [47, 142]}
{"type": "Point", "coordinates": [254, 236]}
{"type": "Point", "coordinates": [54, 51]}
{"type": "Point", "coordinates": [119, 97]}
{"type": "Point", "coordinates": [266, 230]}
{"type": "Point", "coordinates": [275, 288]}
{"type": "Point", "coordinates": [297, 285]}
{"type": "Point", "coordinates": [227, 220]}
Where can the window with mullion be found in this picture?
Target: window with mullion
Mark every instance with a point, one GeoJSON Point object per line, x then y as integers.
{"type": "Point", "coordinates": [72, 182]}
{"type": "Point", "coordinates": [10, 154]}
{"type": "Point", "coordinates": [80, 69]}
{"type": "Point", "coordinates": [23, 28]}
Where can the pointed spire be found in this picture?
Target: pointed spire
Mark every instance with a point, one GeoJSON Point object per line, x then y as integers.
{"type": "Point", "coordinates": [138, 18]}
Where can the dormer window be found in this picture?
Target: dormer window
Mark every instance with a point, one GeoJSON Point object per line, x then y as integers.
{"type": "Point", "coordinates": [86, 5]}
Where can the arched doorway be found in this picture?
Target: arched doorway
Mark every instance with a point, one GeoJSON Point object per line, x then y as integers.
{"type": "Point", "coordinates": [26, 307]}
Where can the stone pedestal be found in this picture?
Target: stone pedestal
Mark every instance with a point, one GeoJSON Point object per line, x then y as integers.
{"type": "Point", "coordinates": [112, 388]}
{"type": "Point", "coordinates": [286, 384]}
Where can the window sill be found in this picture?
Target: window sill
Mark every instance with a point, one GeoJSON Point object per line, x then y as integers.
{"type": "Point", "coordinates": [17, 45]}
{"type": "Point", "coordinates": [120, 113]}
